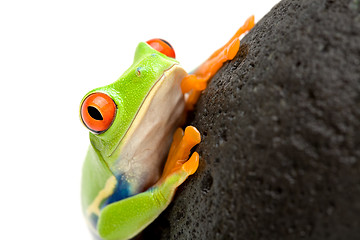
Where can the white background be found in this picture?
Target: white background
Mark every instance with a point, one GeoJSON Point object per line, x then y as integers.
{"type": "Point", "coordinates": [51, 54]}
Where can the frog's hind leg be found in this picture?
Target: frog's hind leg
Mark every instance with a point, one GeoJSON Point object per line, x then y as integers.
{"type": "Point", "coordinates": [194, 83]}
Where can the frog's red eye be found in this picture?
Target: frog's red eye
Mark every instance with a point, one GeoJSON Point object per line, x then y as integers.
{"type": "Point", "coordinates": [162, 46]}
{"type": "Point", "coordinates": [98, 112]}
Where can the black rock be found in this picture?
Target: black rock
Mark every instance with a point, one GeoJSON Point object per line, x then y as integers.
{"type": "Point", "coordinates": [280, 155]}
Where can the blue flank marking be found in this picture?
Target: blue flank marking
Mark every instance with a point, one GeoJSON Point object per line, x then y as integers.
{"type": "Point", "coordinates": [122, 190]}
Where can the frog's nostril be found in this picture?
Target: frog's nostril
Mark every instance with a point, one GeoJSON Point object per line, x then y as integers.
{"type": "Point", "coordinates": [94, 113]}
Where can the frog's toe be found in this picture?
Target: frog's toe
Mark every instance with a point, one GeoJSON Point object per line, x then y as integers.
{"type": "Point", "coordinates": [178, 135]}
{"type": "Point", "coordinates": [192, 164]}
{"type": "Point", "coordinates": [232, 49]}
{"type": "Point", "coordinates": [191, 137]}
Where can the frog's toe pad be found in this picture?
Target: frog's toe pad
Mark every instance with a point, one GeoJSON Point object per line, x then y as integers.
{"type": "Point", "coordinates": [191, 136]}
{"type": "Point", "coordinates": [192, 164]}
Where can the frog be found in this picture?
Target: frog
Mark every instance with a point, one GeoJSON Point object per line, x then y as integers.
{"type": "Point", "coordinates": [139, 154]}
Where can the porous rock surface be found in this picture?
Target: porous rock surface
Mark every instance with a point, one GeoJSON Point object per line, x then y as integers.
{"type": "Point", "coordinates": [280, 155]}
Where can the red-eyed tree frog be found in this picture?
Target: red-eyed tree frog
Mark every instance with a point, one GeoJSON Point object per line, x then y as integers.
{"type": "Point", "coordinates": [126, 184]}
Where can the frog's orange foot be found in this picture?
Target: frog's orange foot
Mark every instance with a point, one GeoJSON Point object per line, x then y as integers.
{"type": "Point", "coordinates": [230, 49]}
{"type": "Point", "coordinates": [194, 83]}
{"type": "Point", "coordinates": [180, 150]}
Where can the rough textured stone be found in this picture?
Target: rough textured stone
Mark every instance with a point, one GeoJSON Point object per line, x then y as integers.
{"type": "Point", "coordinates": [280, 156]}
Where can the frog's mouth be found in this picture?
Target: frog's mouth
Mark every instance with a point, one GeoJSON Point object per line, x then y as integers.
{"type": "Point", "coordinates": [145, 144]}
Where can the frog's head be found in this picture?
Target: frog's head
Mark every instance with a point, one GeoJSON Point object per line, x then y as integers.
{"type": "Point", "coordinates": [109, 111]}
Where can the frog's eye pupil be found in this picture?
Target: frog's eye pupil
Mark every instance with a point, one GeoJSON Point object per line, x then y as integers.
{"type": "Point", "coordinates": [94, 113]}
{"type": "Point", "coordinates": [162, 46]}
{"type": "Point", "coordinates": [98, 112]}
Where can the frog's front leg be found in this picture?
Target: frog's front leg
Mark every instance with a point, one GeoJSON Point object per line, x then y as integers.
{"type": "Point", "coordinates": [126, 218]}
{"type": "Point", "coordinates": [197, 81]}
